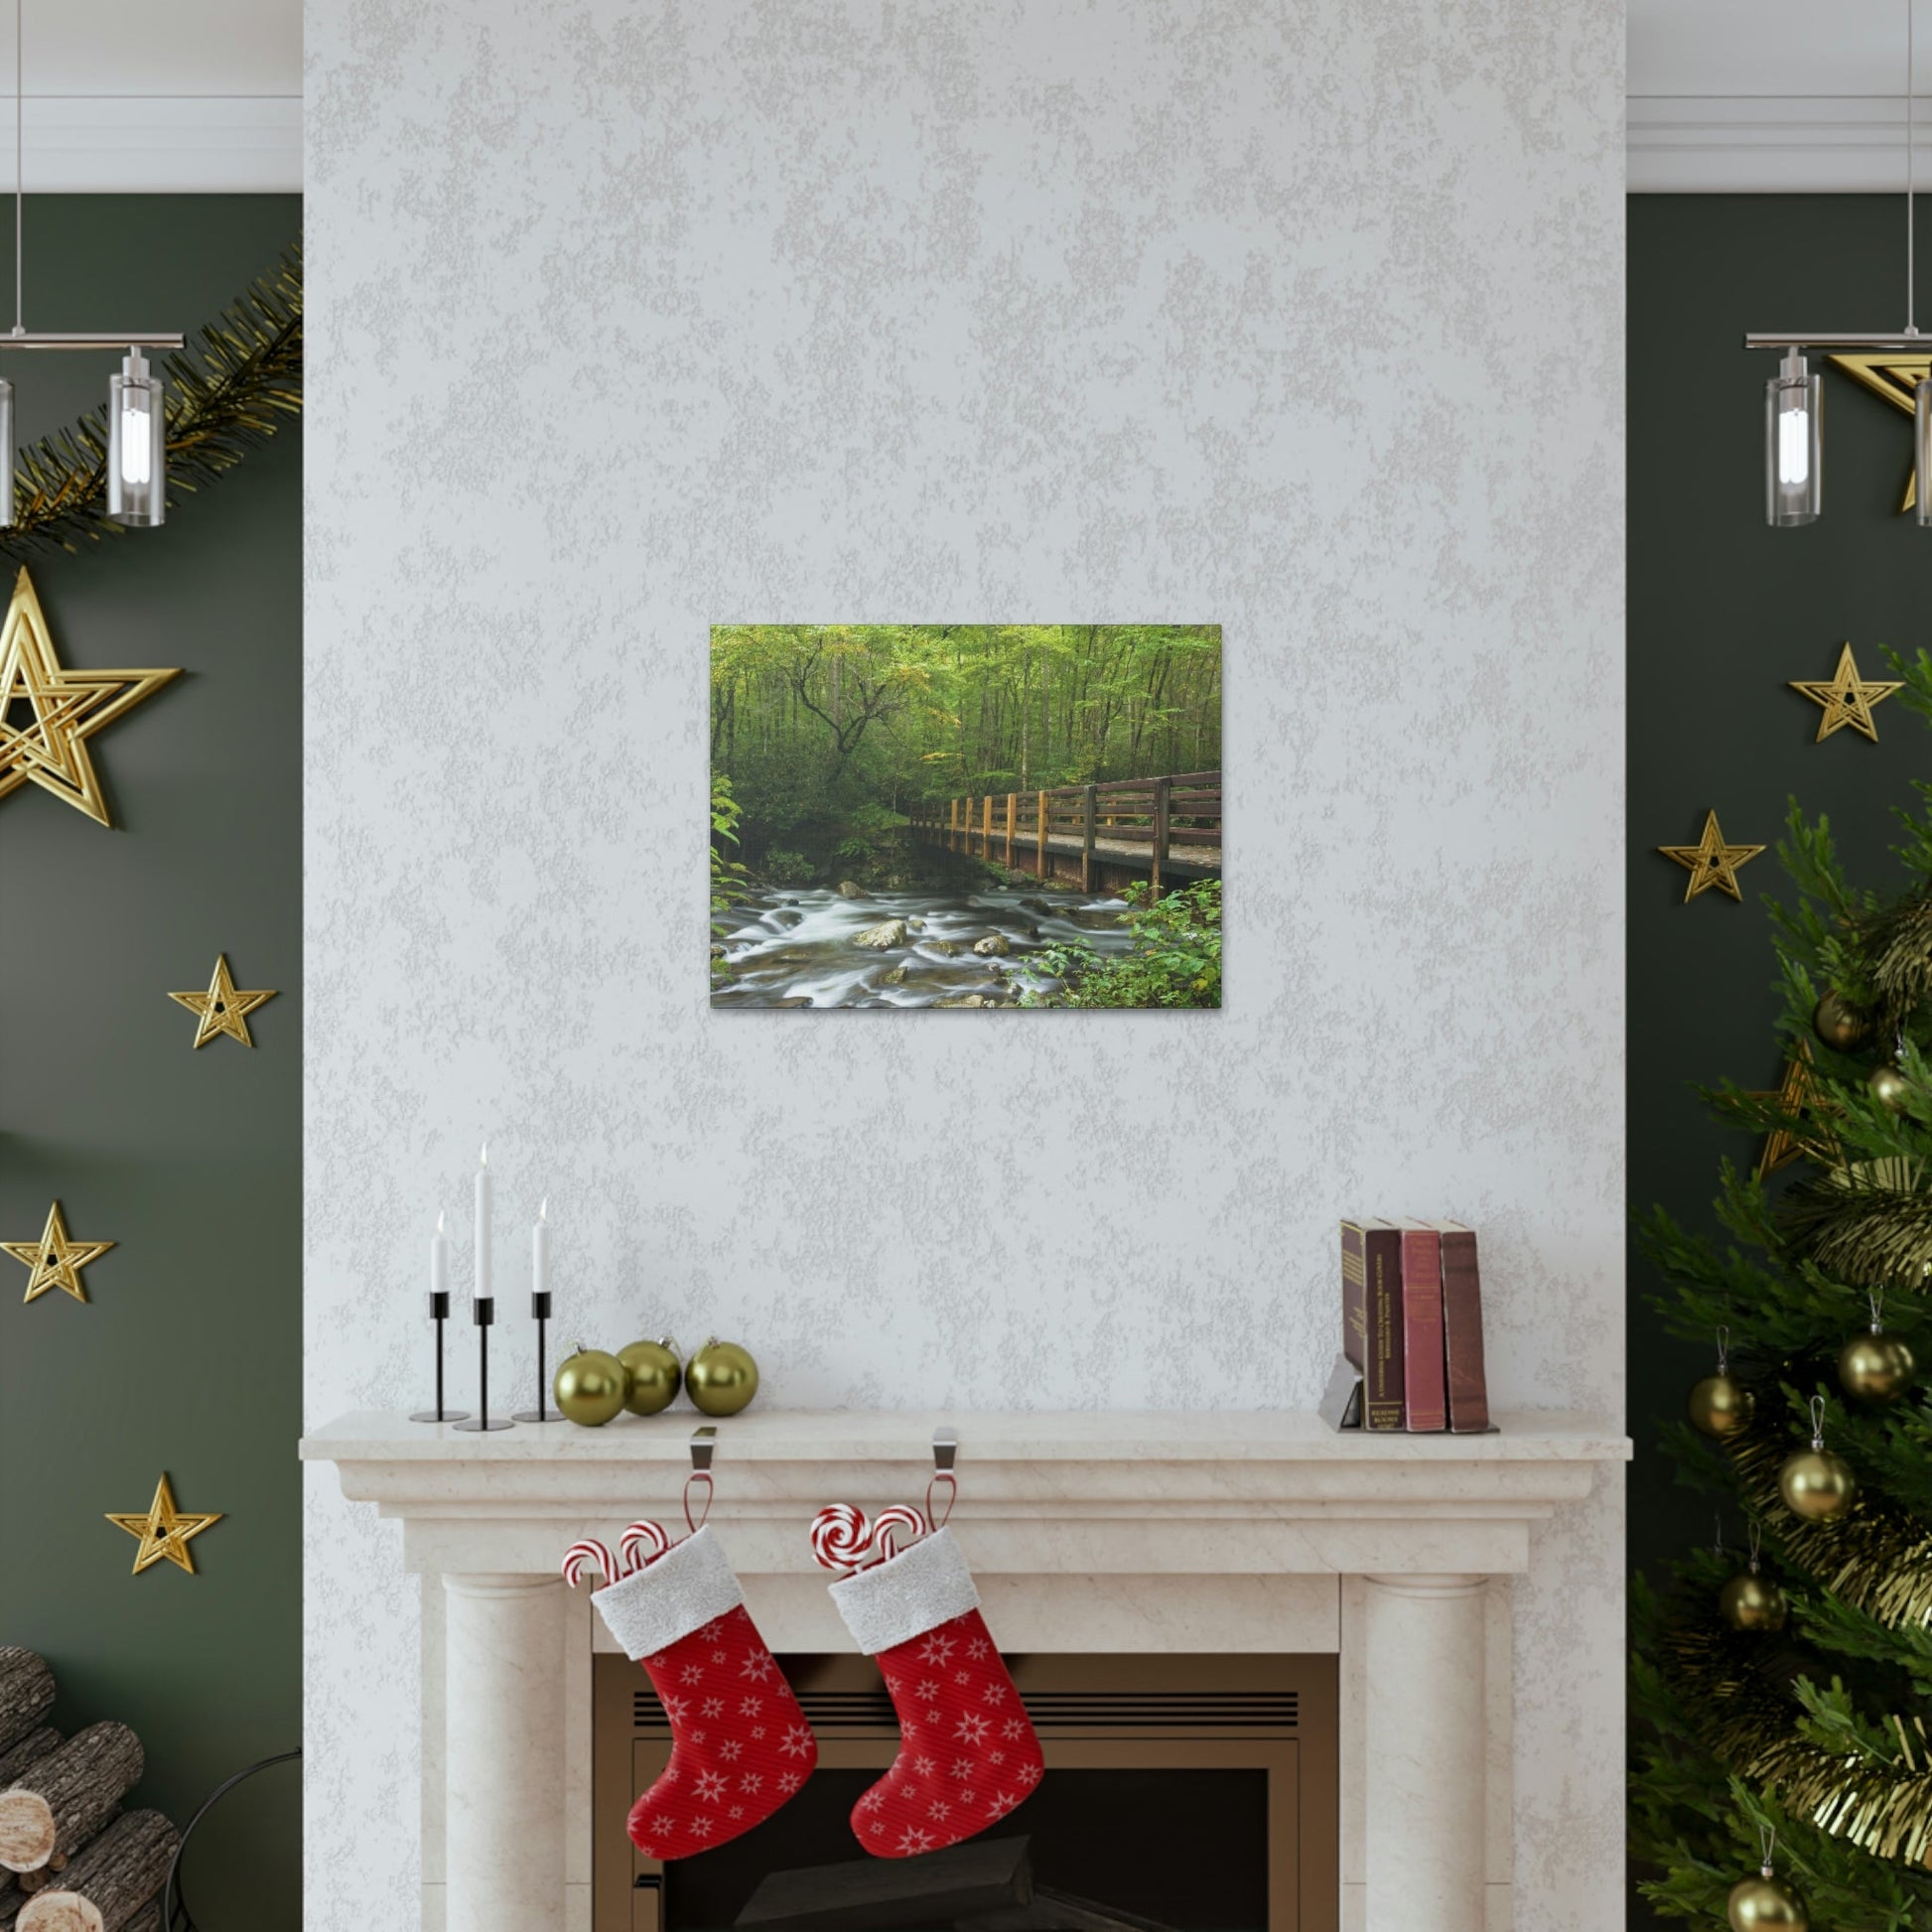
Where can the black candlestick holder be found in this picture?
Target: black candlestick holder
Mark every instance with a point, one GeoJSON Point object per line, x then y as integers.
{"type": "Point", "coordinates": [540, 1313]}
{"type": "Point", "coordinates": [485, 1313]}
{"type": "Point", "coordinates": [438, 1312]}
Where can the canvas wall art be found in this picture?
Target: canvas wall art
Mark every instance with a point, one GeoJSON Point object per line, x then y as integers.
{"type": "Point", "coordinates": [965, 816]}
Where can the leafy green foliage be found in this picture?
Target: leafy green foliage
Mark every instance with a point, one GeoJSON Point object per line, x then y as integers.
{"type": "Point", "coordinates": [728, 874]}
{"type": "Point", "coordinates": [784, 868]}
{"type": "Point", "coordinates": [1175, 961]}
{"type": "Point", "coordinates": [832, 731]}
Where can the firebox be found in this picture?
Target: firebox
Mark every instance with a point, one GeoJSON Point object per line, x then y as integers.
{"type": "Point", "coordinates": [1183, 1794]}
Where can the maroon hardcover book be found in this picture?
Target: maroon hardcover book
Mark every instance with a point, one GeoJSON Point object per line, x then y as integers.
{"type": "Point", "coordinates": [1371, 1317]}
{"type": "Point", "coordinates": [1468, 1385]}
{"type": "Point", "coordinates": [1422, 1328]}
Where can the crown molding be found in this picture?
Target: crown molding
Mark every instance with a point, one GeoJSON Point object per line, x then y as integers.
{"type": "Point", "coordinates": [213, 144]}
{"type": "Point", "coordinates": [1773, 144]}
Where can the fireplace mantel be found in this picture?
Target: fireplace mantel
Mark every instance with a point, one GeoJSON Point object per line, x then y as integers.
{"type": "Point", "coordinates": [1243, 1531]}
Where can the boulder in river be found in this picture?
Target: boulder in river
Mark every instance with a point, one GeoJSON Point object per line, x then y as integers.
{"type": "Point", "coordinates": [846, 890]}
{"type": "Point", "coordinates": [945, 947]}
{"type": "Point", "coordinates": [882, 938]}
{"type": "Point", "coordinates": [897, 977]}
{"type": "Point", "coordinates": [971, 1000]}
{"type": "Point", "coordinates": [993, 943]}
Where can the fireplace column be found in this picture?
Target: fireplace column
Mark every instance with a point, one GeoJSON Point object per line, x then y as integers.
{"type": "Point", "coordinates": [1426, 1747]}
{"type": "Point", "coordinates": [503, 1692]}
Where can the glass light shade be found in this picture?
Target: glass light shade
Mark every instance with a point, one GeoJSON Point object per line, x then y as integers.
{"type": "Point", "coordinates": [137, 445]}
{"type": "Point", "coordinates": [6, 452]}
{"type": "Point", "coordinates": [1922, 449]}
{"type": "Point", "coordinates": [1794, 443]}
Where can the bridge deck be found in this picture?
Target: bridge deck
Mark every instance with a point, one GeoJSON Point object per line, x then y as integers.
{"type": "Point", "coordinates": [1182, 862]}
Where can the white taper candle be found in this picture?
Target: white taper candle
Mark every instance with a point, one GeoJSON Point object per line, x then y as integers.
{"type": "Point", "coordinates": [482, 1223]}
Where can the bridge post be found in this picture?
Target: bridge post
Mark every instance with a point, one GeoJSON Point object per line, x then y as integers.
{"type": "Point", "coordinates": [1013, 801]}
{"type": "Point", "coordinates": [1086, 843]}
{"type": "Point", "coordinates": [986, 826]}
{"type": "Point", "coordinates": [1161, 787]}
{"type": "Point", "coordinates": [952, 822]}
{"type": "Point", "coordinates": [1040, 834]}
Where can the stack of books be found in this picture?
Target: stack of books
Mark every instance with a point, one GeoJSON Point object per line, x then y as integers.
{"type": "Point", "coordinates": [1411, 1329]}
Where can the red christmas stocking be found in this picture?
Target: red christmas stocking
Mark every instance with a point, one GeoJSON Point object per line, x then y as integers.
{"type": "Point", "coordinates": [969, 1753]}
{"type": "Point", "coordinates": [740, 1745]}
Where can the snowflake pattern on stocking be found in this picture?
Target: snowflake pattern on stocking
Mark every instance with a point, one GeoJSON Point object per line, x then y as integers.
{"type": "Point", "coordinates": [950, 1778]}
{"type": "Point", "coordinates": [724, 1777]}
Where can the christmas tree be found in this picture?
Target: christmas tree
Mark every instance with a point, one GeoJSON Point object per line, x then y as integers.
{"type": "Point", "coordinates": [1790, 1696]}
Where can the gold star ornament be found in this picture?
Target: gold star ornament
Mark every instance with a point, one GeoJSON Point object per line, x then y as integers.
{"type": "Point", "coordinates": [1895, 377]}
{"type": "Point", "coordinates": [48, 712]}
{"type": "Point", "coordinates": [1846, 698]}
{"type": "Point", "coordinates": [221, 1010]}
{"type": "Point", "coordinates": [1801, 1094]}
{"type": "Point", "coordinates": [54, 1261]}
{"type": "Point", "coordinates": [1710, 862]}
{"type": "Point", "coordinates": [164, 1530]}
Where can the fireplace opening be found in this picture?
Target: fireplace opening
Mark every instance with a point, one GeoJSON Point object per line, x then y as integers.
{"type": "Point", "coordinates": [1183, 1794]}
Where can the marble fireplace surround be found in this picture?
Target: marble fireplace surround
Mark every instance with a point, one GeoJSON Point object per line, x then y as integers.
{"type": "Point", "coordinates": [1088, 1531]}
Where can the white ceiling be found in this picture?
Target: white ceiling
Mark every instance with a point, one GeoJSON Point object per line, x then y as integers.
{"type": "Point", "coordinates": [1747, 95]}
{"type": "Point", "coordinates": [1736, 95]}
{"type": "Point", "coordinates": [187, 47]}
{"type": "Point", "coordinates": [197, 96]}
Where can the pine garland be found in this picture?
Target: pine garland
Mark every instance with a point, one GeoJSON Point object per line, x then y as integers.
{"type": "Point", "coordinates": [227, 393]}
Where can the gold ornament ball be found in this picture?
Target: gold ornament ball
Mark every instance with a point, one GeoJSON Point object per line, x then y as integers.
{"type": "Point", "coordinates": [1889, 1087]}
{"type": "Point", "coordinates": [590, 1387]}
{"type": "Point", "coordinates": [1839, 1024]}
{"type": "Point", "coordinates": [1752, 1602]}
{"type": "Point", "coordinates": [1757, 1904]}
{"type": "Point", "coordinates": [1816, 1484]}
{"type": "Point", "coordinates": [654, 1375]}
{"type": "Point", "coordinates": [1720, 1404]}
{"type": "Point", "coordinates": [722, 1378]}
{"type": "Point", "coordinates": [1877, 1368]}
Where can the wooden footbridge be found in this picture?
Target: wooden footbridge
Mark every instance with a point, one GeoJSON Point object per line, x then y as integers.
{"type": "Point", "coordinates": [1163, 830]}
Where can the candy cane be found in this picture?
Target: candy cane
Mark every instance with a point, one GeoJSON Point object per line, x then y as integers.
{"type": "Point", "coordinates": [887, 1524]}
{"type": "Point", "coordinates": [590, 1551]}
{"type": "Point", "coordinates": [641, 1534]}
{"type": "Point", "coordinates": [840, 1539]}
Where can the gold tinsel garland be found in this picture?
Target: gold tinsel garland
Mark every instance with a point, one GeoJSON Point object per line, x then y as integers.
{"type": "Point", "coordinates": [1878, 1558]}
{"type": "Point", "coordinates": [1868, 1224]}
{"type": "Point", "coordinates": [1751, 1727]}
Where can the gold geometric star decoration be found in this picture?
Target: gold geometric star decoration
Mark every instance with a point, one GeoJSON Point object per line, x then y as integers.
{"type": "Point", "coordinates": [1711, 861]}
{"type": "Point", "coordinates": [48, 712]}
{"type": "Point", "coordinates": [1896, 379]}
{"type": "Point", "coordinates": [164, 1530]}
{"type": "Point", "coordinates": [221, 1010]}
{"type": "Point", "coordinates": [1846, 698]}
{"type": "Point", "coordinates": [1799, 1095]}
{"type": "Point", "coordinates": [55, 1261]}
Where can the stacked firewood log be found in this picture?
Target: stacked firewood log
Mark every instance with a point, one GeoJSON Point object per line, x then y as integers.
{"type": "Point", "coordinates": [71, 1858]}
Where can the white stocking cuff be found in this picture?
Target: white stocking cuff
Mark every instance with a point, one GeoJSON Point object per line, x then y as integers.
{"type": "Point", "coordinates": [691, 1583]}
{"type": "Point", "coordinates": [914, 1593]}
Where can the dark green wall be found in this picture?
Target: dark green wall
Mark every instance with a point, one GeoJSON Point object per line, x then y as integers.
{"type": "Point", "coordinates": [188, 1356]}
{"type": "Point", "coordinates": [1724, 610]}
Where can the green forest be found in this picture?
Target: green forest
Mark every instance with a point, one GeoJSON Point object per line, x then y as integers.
{"type": "Point", "coordinates": [824, 736]}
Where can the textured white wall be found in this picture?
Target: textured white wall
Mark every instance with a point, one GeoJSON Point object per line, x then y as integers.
{"type": "Point", "coordinates": [1306, 320]}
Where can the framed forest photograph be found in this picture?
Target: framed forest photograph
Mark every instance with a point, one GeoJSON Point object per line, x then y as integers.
{"type": "Point", "coordinates": [966, 816]}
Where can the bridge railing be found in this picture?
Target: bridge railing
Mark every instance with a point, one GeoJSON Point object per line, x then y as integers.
{"type": "Point", "coordinates": [1158, 820]}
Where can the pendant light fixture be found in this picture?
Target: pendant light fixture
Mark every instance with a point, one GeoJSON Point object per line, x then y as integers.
{"type": "Point", "coordinates": [137, 419]}
{"type": "Point", "coordinates": [1794, 398]}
